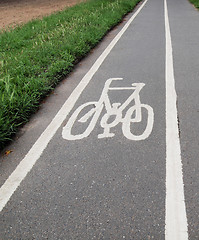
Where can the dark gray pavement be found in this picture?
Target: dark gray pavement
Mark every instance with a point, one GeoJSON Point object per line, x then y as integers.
{"type": "Point", "coordinates": [113, 188]}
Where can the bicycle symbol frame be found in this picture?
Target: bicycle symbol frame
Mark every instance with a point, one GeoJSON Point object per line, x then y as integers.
{"type": "Point", "coordinates": [115, 110]}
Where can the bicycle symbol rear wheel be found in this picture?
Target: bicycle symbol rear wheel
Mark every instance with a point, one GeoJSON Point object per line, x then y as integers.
{"type": "Point", "coordinates": [94, 112]}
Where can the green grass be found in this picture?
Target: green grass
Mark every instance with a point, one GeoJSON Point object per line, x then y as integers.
{"type": "Point", "coordinates": [36, 56]}
{"type": "Point", "coordinates": [195, 3]}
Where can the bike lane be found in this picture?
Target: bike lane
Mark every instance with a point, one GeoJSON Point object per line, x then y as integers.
{"type": "Point", "coordinates": [104, 188]}
{"type": "Point", "coordinates": [184, 22]}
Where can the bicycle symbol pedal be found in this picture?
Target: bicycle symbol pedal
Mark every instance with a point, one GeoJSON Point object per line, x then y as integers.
{"type": "Point", "coordinates": [115, 111]}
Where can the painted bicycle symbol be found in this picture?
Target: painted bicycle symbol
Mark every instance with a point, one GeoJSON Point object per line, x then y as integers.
{"type": "Point", "coordinates": [114, 114]}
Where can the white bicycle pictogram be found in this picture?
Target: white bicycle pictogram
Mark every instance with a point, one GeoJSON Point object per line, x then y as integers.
{"type": "Point", "coordinates": [132, 115]}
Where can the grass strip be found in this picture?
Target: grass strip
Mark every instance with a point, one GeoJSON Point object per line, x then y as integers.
{"type": "Point", "coordinates": [36, 56]}
{"type": "Point", "coordinates": [195, 3]}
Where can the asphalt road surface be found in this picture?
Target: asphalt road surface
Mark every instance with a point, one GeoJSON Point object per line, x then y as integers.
{"type": "Point", "coordinates": [113, 153]}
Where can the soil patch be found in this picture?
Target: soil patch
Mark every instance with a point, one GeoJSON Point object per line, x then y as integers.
{"type": "Point", "coordinates": [14, 12]}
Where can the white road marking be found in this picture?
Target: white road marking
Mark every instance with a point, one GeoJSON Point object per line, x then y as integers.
{"type": "Point", "coordinates": [176, 220]}
{"type": "Point", "coordinates": [133, 115]}
{"type": "Point", "coordinates": [26, 164]}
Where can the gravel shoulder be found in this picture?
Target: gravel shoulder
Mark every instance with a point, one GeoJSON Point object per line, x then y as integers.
{"type": "Point", "coordinates": [14, 12]}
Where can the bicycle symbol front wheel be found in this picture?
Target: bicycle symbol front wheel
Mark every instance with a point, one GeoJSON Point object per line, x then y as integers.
{"type": "Point", "coordinates": [128, 120]}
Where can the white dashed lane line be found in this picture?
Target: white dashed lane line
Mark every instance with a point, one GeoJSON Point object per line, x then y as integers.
{"type": "Point", "coordinates": [176, 219]}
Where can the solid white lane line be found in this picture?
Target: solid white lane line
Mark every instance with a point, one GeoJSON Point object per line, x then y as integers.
{"type": "Point", "coordinates": [176, 219]}
{"type": "Point", "coordinates": [37, 149]}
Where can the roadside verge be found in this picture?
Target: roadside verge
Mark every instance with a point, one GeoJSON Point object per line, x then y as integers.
{"type": "Point", "coordinates": [195, 3]}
